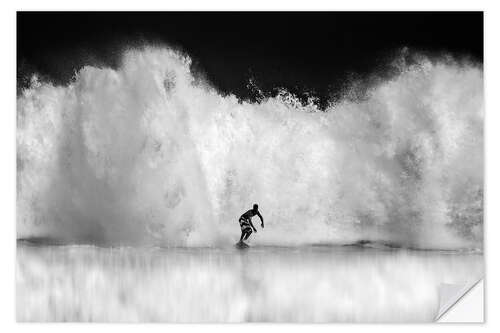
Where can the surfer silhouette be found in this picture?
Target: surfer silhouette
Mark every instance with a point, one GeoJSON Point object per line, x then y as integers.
{"type": "Point", "coordinates": [246, 222]}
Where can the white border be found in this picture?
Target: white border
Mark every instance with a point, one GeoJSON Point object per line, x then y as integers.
{"type": "Point", "coordinates": [7, 152]}
{"type": "Point", "coordinates": [250, 5]}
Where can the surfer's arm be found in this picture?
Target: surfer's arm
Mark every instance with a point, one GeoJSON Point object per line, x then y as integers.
{"type": "Point", "coordinates": [261, 219]}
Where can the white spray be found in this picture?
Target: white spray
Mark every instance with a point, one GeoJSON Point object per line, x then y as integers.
{"type": "Point", "coordinates": [147, 154]}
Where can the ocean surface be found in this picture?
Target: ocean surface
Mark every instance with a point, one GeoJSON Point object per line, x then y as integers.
{"type": "Point", "coordinates": [259, 284]}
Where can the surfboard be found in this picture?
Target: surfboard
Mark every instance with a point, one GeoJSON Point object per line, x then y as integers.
{"type": "Point", "coordinates": [242, 245]}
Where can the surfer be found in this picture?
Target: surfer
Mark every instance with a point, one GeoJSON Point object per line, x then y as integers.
{"type": "Point", "coordinates": [246, 222]}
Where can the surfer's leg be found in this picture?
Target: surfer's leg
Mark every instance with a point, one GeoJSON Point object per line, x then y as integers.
{"type": "Point", "coordinates": [241, 221]}
{"type": "Point", "coordinates": [248, 232]}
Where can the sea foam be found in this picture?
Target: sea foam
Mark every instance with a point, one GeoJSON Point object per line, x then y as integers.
{"type": "Point", "coordinates": [148, 153]}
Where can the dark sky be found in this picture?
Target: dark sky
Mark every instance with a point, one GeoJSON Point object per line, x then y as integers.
{"type": "Point", "coordinates": [312, 51]}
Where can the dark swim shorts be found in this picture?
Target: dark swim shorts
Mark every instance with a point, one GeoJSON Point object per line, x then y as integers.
{"type": "Point", "coordinates": [245, 224]}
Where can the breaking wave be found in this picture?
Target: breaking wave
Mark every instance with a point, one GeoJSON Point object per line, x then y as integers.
{"type": "Point", "coordinates": [149, 154]}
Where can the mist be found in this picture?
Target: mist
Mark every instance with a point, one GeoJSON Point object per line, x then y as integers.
{"type": "Point", "coordinates": [150, 154]}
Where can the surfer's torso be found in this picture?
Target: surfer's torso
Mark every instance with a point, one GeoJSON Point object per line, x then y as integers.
{"type": "Point", "coordinates": [249, 214]}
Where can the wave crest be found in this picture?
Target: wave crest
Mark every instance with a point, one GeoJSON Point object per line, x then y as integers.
{"type": "Point", "coordinates": [148, 154]}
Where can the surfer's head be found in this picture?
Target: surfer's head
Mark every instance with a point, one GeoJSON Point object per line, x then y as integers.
{"type": "Point", "coordinates": [255, 207]}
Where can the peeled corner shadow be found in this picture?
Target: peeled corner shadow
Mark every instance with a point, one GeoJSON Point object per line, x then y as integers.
{"type": "Point", "coordinates": [455, 298]}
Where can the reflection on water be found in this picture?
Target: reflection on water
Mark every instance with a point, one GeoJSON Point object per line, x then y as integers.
{"type": "Point", "coordinates": [310, 284]}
